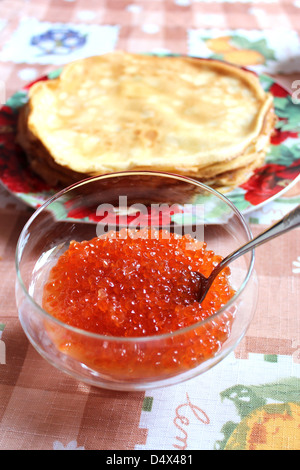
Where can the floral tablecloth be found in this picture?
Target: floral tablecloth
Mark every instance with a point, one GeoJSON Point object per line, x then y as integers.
{"type": "Point", "coordinates": [251, 400]}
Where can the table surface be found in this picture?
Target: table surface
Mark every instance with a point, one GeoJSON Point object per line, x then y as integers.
{"type": "Point", "coordinates": [251, 398]}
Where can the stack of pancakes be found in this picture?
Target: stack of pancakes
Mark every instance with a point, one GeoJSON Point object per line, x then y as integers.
{"type": "Point", "coordinates": [201, 118]}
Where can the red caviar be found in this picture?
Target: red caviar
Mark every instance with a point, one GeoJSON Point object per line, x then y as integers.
{"type": "Point", "coordinates": [135, 284]}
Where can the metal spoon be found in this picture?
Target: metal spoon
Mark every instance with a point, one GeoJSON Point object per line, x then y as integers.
{"type": "Point", "coordinates": [288, 222]}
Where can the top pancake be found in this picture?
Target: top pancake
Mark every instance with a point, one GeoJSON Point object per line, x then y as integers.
{"type": "Point", "coordinates": [122, 111]}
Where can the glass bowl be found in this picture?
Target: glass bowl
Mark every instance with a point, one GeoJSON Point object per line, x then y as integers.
{"type": "Point", "coordinates": [136, 199]}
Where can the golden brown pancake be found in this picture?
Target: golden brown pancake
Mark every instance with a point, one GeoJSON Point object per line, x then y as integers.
{"type": "Point", "coordinates": [121, 111]}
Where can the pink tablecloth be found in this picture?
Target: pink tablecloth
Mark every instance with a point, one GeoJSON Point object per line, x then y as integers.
{"type": "Point", "coordinates": [251, 399]}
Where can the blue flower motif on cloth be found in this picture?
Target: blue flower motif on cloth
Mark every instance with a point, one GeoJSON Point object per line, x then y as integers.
{"type": "Point", "coordinates": [44, 42]}
{"type": "Point", "coordinates": [59, 41]}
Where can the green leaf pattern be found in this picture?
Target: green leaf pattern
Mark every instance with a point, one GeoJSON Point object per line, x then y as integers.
{"type": "Point", "coordinates": [261, 46]}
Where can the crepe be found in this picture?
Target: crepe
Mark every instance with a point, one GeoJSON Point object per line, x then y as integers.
{"type": "Point", "coordinates": [119, 111]}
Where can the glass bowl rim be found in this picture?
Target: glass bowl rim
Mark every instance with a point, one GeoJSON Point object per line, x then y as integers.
{"type": "Point", "coordinates": [132, 339]}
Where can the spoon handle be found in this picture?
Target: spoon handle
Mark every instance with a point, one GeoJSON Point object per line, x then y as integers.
{"type": "Point", "coordinates": [288, 222]}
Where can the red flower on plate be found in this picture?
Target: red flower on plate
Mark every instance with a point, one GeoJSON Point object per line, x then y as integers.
{"type": "Point", "coordinates": [269, 180]}
{"type": "Point", "coordinates": [278, 91]}
{"type": "Point", "coordinates": [8, 119]}
{"type": "Point", "coordinates": [280, 136]}
{"type": "Point", "coordinates": [14, 170]}
{"type": "Point", "coordinates": [21, 180]}
{"type": "Point", "coordinates": [82, 213]}
{"type": "Point", "coordinates": [153, 217]}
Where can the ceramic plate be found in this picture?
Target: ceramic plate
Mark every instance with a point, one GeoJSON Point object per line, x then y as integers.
{"type": "Point", "coordinates": [280, 171]}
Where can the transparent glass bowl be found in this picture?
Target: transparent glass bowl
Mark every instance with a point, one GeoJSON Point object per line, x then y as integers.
{"type": "Point", "coordinates": [114, 201]}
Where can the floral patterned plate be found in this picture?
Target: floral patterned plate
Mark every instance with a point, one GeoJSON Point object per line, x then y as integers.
{"type": "Point", "coordinates": [280, 171]}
